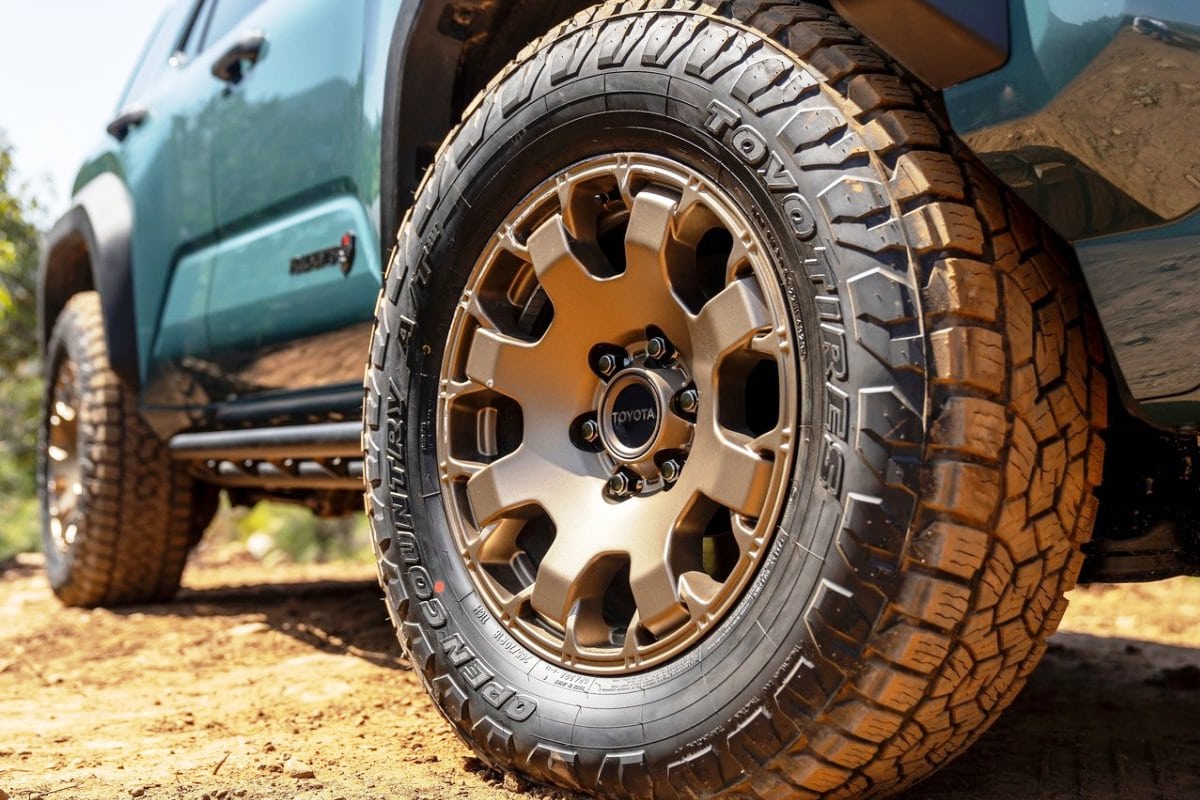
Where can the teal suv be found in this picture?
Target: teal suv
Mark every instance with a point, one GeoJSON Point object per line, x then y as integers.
{"type": "Point", "coordinates": [736, 389]}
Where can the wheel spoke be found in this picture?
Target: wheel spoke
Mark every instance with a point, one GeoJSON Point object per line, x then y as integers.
{"type": "Point", "coordinates": [564, 277]}
{"type": "Point", "coordinates": [654, 590]}
{"type": "Point", "coordinates": [735, 476]}
{"type": "Point", "coordinates": [748, 535]}
{"type": "Point", "coordinates": [729, 320]}
{"type": "Point", "coordinates": [496, 543]}
{"type": "Point", "coordinates": [505, 364]}
{"type": "Point", "coordinates": [570, 572]}
{"type": "Point", "coordinates": [502, 487]}
{"type": "Point", "coordinates": [453, 391]}
{"type": "Point", "coordinates": [776, 440]}
{"type": "Point", "coordinates": [585, 627]}
{"type": "Point", "coordinates": [698, 590]}
{"type": "Point", "coordinates": [454, 469]}
{"type": "Point", "coordinates": [648, 236]}
{"type": "Point", "coordinates": [517, 605]}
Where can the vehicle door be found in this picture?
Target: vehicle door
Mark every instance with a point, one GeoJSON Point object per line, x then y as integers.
{"type": "Point", "coordinates": [295, 163]}
{"type": "Point", "coordinates": [164, 156]}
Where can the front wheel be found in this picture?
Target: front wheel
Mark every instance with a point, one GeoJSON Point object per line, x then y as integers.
{"type": "Point", "coordinates": [729, 432]}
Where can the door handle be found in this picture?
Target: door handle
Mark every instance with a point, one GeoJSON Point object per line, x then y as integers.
{"type": "Point", "coordinates": [128, 119]}
{"type": "Point", "coordinates": [251, 48]}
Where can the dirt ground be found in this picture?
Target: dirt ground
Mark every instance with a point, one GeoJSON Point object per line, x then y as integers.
{"type": "Point", "coordinates": [286, 682]}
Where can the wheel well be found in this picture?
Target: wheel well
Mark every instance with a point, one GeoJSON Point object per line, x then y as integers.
{"type": "Point", "coordinates": [68, 272]}
{"type": "Point", "coordinates": [441, 56]}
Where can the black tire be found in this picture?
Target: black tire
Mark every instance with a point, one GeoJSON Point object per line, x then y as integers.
{"type": "Point", "coordinates": [937, 514]}
{"type": "Point", "coordinates": [137, 513]}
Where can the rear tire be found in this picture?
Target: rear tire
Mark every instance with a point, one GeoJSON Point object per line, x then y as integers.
{"type": "Point", "coordinates": [946, 441]}
{"type": "Point", "coordinates": [118, 516]}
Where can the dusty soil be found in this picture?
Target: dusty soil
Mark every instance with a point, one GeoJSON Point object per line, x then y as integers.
{"type": "Point", "coordinates": [286, 682]}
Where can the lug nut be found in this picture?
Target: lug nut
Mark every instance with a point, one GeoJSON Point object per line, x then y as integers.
{"type": "Point", "coordinates": [657, 347]}
{"type": "Point", "coordinates": [607, 364]}
{"type": "Point", "coordinates": [670, 470]}
{"type": "Point", "coordinates": [619, 485]}
{"type": "Point", "coordinates": [589, 431]}
{"type": "Point", "coordinates": [689, 401]}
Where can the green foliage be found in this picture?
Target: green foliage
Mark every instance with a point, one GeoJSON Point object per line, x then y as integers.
{"type": "Point", "coordinates": [20, 527]}
{"type": "Point", "coordinates": [20, 382]}
{"type": "Point", "coordinates": [18, 270]}
{"type": "Point", "coordinates": [273, 532]}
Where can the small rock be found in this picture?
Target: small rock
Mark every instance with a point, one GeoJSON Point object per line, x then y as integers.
{"type": "Point", "coordinates": [295, 768]}
{"type": "Point", "coordinates": [514, 782]}
{"type": "Point", "coordinates": [138, 792]}
{"type": "Point", "coordinates": [1117, 131]}
{"type": "Point", "coordinates": [249, 629]}
{"type": "Point", "coordinates": [3, 795]}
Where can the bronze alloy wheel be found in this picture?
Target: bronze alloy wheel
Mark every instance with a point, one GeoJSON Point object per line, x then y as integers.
{"type": "Point", "coordinates": [64, 477]}
{"type": "Point", "coordinates": [617, 413]}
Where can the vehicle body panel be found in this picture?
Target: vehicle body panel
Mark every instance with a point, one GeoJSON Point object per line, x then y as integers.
{"type": "Point", "coordinates": [1146, 286]}
{"type": "Point", "coordinates": [1092, 122]}
{"type": "Point", "coordinates": [295, 169]}
{"type": "Point", "coordinates": [220, 173]}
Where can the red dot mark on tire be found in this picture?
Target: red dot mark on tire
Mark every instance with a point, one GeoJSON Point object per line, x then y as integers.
{"type": "Point", "coordinates": [439, 587]}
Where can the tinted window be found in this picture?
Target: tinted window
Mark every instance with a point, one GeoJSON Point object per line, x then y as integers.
{"type": "Point", "coordinates": [226, 17]}
{"type": "Point", "coordinates": [190, 43]}
{"type": "Point", "coordinates": [156, 58]}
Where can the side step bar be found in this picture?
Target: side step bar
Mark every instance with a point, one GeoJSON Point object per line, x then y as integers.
{"type": "Point", "coordinates": [324, 456]}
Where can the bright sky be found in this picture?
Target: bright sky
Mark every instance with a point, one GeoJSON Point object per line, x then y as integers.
{"type": "Point", "coordinates": [63, 64]}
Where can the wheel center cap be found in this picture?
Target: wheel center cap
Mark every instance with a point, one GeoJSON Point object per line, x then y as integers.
{"type": "Point", "coordinates": [634, 415]}
{"type": "Point", "coordinates": [631, 415]}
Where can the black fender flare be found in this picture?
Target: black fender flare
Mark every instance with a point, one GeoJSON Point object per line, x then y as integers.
{"type": "Point", "coordinates": [89, 248]}
{"type": "Point", "coordinates": [440, 54]}
{"type": "Point", "coordinates": [418, 105]}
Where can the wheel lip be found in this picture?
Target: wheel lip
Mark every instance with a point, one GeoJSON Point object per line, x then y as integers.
{"type": "Point", "coordinates": [792, 363]}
